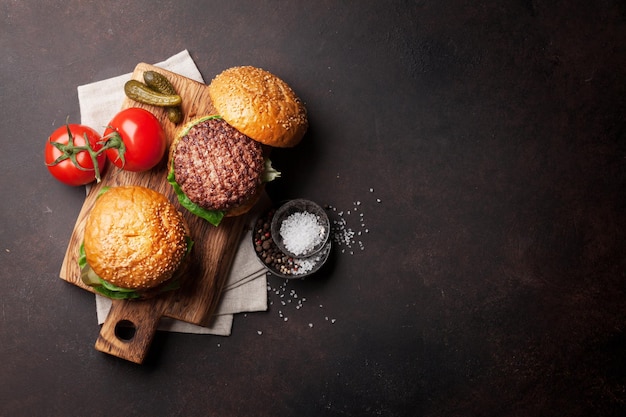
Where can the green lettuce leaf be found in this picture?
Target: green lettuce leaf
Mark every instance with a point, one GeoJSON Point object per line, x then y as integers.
{"type": "Point", "coordinates": [212, 216]}
{"type": "Point", "coordinates": [111, 291]}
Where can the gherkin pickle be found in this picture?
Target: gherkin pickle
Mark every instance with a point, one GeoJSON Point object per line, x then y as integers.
{"type": "Point", "coordinates": [159, 83]}
{"type": "Point", "coordinates": [140, 92]}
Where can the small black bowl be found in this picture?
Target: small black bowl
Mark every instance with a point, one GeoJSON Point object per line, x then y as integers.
{"type": "Point", "coordinates": [290, 267]}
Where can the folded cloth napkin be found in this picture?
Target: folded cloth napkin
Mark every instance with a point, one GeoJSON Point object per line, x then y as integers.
{"type": "Point", "coordinates": [245, 289]}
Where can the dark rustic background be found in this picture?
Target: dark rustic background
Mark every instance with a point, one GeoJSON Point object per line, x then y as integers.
{"type": "Point", "coordinates": [484, 142]}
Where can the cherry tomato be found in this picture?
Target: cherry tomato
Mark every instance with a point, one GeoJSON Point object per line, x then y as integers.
{"type": "Point", "coordinates": [142, 136]}
{"type": "Point", "coordinates": [68, 158]}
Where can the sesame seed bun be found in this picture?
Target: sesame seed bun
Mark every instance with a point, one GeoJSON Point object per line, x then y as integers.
{"type": "Point", "coordinates": [135, 238]}
{"type": "Point", "coordinates": [260, 105]}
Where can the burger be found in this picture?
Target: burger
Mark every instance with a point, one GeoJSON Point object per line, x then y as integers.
{"type": "Point", "coordinates": [219, 164]}
{"type": "Point", "coordinates": [217, 171]}
{"type": "Point", "coordinates": [136, 244]}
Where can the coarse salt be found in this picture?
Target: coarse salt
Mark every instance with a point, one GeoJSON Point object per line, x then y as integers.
{"type": "Point", "coordinates": [301, 232]}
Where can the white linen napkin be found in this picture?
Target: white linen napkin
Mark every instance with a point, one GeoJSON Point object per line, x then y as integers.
{"type": "Point", "coordinates": [246, 287]}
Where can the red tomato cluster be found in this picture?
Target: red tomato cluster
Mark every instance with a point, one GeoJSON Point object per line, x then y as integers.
{"type": "Point", "coordinates": [68, 165]}
{"type": "Point", "coordinates": [134, 140]}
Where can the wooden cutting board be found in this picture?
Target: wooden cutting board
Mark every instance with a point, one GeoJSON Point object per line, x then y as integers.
{"type": "Point", "coordinates": [211, 257]}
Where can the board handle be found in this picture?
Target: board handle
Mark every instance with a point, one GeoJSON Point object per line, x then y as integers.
{"type": "Point", "coordinates": [129, 328]}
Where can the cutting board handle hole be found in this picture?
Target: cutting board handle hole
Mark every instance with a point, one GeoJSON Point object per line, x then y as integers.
{"type": "Point", "coordinates": [125, 330]}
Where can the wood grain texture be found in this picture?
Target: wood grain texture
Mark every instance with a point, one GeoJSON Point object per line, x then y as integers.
{"type": "Point", "coordinates": [138, 320]}
{"type": "Point", "coordinates": [211, 257]}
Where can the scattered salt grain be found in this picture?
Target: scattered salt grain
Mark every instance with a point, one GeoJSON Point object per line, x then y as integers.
{"type": "Point", "coordinates": [291, 297]}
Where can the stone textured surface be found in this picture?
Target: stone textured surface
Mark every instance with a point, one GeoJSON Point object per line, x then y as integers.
{"type": "Point", "coordinates": [483, 142]}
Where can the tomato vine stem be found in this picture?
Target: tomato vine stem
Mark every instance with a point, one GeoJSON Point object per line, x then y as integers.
{"type": "Point", "coordinates": [70, 150]}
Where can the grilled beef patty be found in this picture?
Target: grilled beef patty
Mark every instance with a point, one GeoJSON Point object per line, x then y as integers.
{"type": "Point", "coordinates": [217, 166]}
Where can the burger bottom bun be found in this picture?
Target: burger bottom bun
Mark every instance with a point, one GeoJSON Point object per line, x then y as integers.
{"type": "Point", "coordinates": [247, 205]}
{"type": "Point", "coordinates": [135, 238]}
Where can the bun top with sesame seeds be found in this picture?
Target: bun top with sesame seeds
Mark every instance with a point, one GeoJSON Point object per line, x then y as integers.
{"type": "Point", "coordinates": [260, 105]}
{"type": "Point", "coordinates": [135, 238]}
